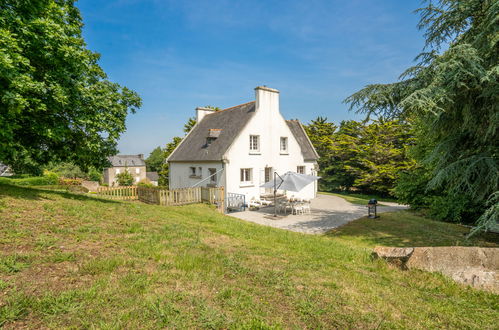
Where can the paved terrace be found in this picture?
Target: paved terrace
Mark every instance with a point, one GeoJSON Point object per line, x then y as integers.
{"type": "Point", "coordinates": [327, 212]}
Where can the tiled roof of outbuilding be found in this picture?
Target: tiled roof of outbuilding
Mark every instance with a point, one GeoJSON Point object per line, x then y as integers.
{"type": "Point", "coordinates": [126, 160]}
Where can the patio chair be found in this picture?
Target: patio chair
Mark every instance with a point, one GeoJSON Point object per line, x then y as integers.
{"type": "Point", "coordinates": [297, 208]}
{"type": "Point", "coordinates": [306, 207]}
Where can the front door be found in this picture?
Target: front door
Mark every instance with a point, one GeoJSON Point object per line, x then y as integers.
{"type": "Point", "coordinates": [268, 177]}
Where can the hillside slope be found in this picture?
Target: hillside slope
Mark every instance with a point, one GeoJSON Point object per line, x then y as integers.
{"type": "Point", "coordinates": [71, 260]}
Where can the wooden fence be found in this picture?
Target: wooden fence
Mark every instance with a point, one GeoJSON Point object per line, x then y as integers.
{"type": "Point", "coordinates": [182, 196]}
{"type": "Point", "coordinates": [121, 193]}
{"type": "Point", "coordinates": [166, 197]}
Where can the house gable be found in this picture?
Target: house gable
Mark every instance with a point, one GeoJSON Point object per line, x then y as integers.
{"type": "Point", "coordinates": [210, 138]}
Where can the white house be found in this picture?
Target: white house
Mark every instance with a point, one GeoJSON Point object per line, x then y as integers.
{"type": "Point", "coordinates": [241, 147]}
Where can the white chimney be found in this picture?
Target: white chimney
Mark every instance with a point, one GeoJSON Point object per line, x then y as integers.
{"type": "Point", "coordinates": [201, 112]}
{"type": "Point", "coordinates": [267, 99]}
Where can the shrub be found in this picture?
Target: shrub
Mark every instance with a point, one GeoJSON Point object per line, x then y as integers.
{"type": "Point", "coordinates": [70, 182]}
{"type": "Point", "coordinates": [94, 175]}
{"type": "Point", "coordinates": [124, 178]}
{"type": "Point", "coordinates": [49, 178]}
{"type": "Point", "coordinates": [146, 183]}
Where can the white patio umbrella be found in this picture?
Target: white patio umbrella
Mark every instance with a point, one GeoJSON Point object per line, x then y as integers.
{"type": "Point", "coordinates": [289, 181]}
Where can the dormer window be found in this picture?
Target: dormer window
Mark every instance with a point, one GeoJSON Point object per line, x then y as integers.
{"type": "Point", "coordinates": [254, 143]}
{"type": "Point", "coordinates": [213, 134]}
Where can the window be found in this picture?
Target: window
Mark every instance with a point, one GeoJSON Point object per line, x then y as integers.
{"type": "Point", "coordinates": [254, 143]}
{"type": "Point", "coordinates": [300, 169]}
{"type": "Point", "coordinates": [117, 171]}
{"type": "Point", "coordinates": [284, 144]}
{"type": "Point", "coordinates": [195, 172]}
{"type": "Point", "coordinates": [137, 179]}
{"type": "Point", "coordinates": [213, 176]}
{"type": "Point", "coordinates": [137, 170]}
{"type": "Point", "coordinates": [246, 175]}
{"type": "Point", "coordinates": [192, 171]}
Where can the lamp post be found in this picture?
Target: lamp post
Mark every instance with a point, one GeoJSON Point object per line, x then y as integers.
{"type": "Point", "coordinates": [371, 207]}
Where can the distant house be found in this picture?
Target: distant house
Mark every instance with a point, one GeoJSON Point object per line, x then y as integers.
{"type": "Point", "coordinates": [241, 147]}
{"type": "Point", "coordinates": [153, 177]}
{"type": "Point", "coordinates": [134, 164]}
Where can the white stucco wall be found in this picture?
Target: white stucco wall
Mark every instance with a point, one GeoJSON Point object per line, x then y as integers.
{"type": "Point", "coordinates": [180, 174]}
{"type": "Point", "coordinates": [270, 126]}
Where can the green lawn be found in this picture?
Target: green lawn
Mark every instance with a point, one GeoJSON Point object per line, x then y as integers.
{"type": "Point", "coordinates": [361, 199]}
{"type": "Point", "coordinates": [406, 229]}
{"type": "Point", "coordinates": [82, 262]}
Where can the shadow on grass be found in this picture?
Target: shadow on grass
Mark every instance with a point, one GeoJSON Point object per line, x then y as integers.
{"type": "Point", "coordinates": [404, 229]}
{"type": "Point", "coordinates": [35, 193]}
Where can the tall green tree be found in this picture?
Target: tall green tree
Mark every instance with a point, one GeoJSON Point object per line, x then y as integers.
{"type": "Point", "coordinates": [155, 160]}
{"type": "Point", "coordinates": [56, 103]}
{"type": "Point", "coordinates": [383, 155]}
{"type": "Point", "coordinates": [164, 173]}
{"type": "Point", "coordinates": [452, 94]}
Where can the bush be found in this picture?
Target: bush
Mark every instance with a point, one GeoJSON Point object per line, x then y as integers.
{"type": "Point", "coordinates": [146, 183]}
{"type": "Point", "coordinates": [48, 178]}
{"type": "Point", "coordinates": [94, 175]}
{"type": "Point", "coordinates": [70, 182]}
{"type": "Point", "coordinates": [124, 178]}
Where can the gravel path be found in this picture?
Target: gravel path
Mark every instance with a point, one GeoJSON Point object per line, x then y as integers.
{"type": "Point", "coordinates": [328, 212]}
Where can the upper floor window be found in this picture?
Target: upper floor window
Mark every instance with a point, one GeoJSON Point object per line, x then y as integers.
{"type": "Point", "coordinates": [300, 169]}
{"type": "Point", "coordinates": [254, 143]}
{"type": "Point", "coordinates": [117, 171]}
{"type": "Point", "coordinates": [284, 144]}
{"type": "Point", "coordinates": [137, 170]}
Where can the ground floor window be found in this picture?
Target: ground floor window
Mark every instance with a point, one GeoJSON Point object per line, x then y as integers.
{"type": "Point", "coordinates": [195, 172]}
{"type": "Point", "coordinates": [300, 169]}
{"type": "Point", "coordinates": [213, 175]}
{"type": "Point", "coordinates": [246, 175]}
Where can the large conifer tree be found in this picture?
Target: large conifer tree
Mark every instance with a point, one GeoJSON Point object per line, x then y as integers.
{"type": "Point", "coordinates": [452, 94]}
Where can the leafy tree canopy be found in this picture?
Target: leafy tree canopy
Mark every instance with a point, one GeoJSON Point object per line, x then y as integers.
{"type": "Point", "coordinates": [366, 157]}
{"type": "Point", "coordinates": [56, 103]}
{"type": "Point", "coordinates": [452, 95]}
{"type": "Point", "coordinates": [164, 173]}
{"type": "Point", "coordinates": [155, 160]}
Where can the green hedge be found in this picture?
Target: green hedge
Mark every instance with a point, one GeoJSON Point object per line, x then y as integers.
{"type": "Point", "coordinates": [48, 178]}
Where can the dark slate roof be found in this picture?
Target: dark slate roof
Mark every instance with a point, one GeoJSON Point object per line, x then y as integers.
{"type": "Point", "coordinates": [153, 176]}
{"type": "Point", "coordinates": [126, 160]}
{"type": "Point", "coordinates": [307, 149]}
{"type": "Point", "coordinates": [230, 122]}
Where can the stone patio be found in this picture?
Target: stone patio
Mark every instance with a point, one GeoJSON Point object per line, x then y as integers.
{"type": "Point", "coordinates": [327, 212]}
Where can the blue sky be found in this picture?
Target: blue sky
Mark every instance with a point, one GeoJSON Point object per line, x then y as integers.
{"type": "Point", "coordinates": [182, 54]}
